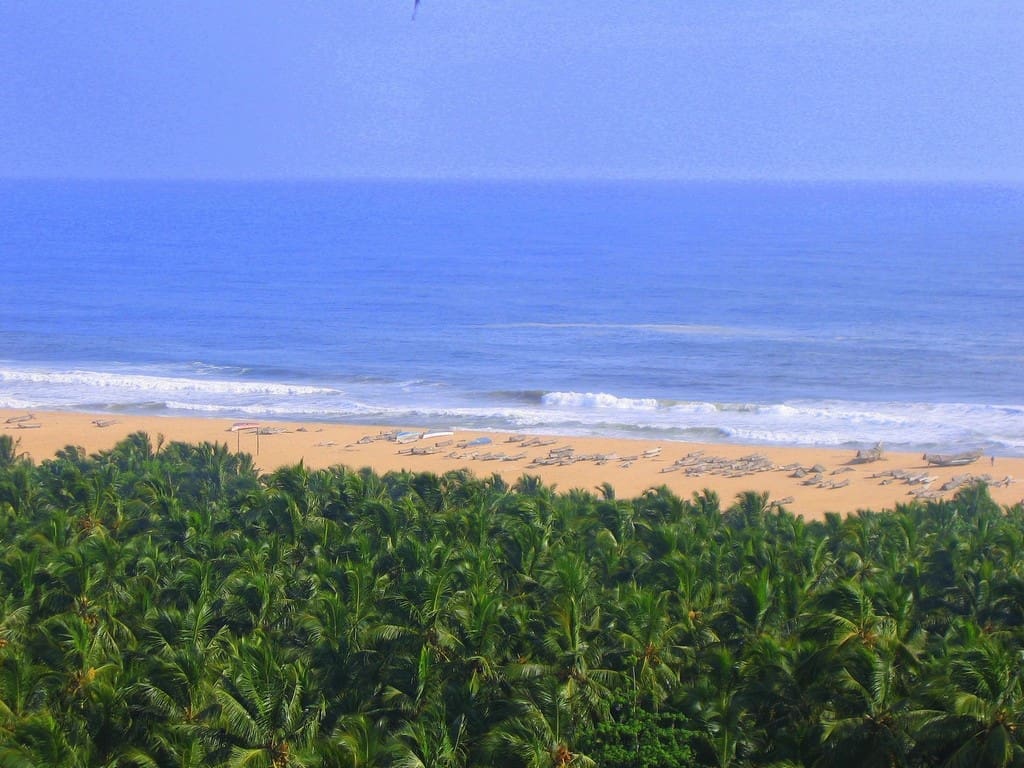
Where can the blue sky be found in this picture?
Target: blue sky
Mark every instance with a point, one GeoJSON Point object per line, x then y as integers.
{"type": "Point", "coordinates": [513, 88]}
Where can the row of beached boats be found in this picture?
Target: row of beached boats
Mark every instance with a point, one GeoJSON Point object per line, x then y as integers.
{"type": "Point", "coordinates": [696, 464]}
{"type": "Point", "coordinates": [877, 453]}
{"type": "Point", "coordinates": [924, 481]}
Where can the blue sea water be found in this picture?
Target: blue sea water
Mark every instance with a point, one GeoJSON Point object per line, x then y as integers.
{"type": "Point", "coordinates": [801, 314]}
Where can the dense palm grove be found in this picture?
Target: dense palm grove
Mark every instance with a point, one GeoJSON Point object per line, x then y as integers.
{"type": "Point", "coordinates": [168, 605]}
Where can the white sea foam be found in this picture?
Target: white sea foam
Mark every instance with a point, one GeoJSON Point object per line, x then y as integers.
{"type": "Point", "coordinates": [597, 400]}
{"type": "Point", "coordinates": [16, 403]}
{"type": "Point", "coordinates": [148, 383]}
{"type": "Point", "coordinates": [938, 426]}
{"type": "Point", "coordinates": [832, 423]}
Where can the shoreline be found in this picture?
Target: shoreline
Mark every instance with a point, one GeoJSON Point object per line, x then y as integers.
{"type": "Point", "coordinates": [807, 481]}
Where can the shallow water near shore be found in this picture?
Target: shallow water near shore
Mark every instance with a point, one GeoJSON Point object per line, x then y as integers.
{"type": "Point", "coordinates": [830, 315]}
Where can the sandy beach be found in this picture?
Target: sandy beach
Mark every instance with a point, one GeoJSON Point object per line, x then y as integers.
{"type": "Point", "coordinates": [807, 481]}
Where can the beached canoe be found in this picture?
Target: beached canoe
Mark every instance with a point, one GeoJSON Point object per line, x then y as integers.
{"type": "Point", "coordinates": [952, 460]}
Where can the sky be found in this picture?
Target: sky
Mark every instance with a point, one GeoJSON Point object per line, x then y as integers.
{"type": "Point", "coordinates": [922, 90]}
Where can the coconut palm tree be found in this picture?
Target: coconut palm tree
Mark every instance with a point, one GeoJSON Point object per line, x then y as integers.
{"type": "Point", "coordinates": [650, 641]}
{"type": "Point", "coordinates": [873, 723]}
{"type": "Point", "coordinates": [984, 720]}
{"type": "Point", "coordinates": [540, 733]}
{"type": "Point", "coordinates": [269, 710]}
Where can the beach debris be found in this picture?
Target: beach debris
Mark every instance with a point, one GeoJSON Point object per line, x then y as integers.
{"type": "Point", "coordinates": [389, 436]}
{"type": "Point", "coordinates": [270, 430]}
{"type": "Point", "coordinates": [104, 422]}
{"type": "Point", "coordinates": [537, 442]}
{"type": "Point", "coordinates": [418, 451]}
{"type": "Point", "coordinates": [696, 464]}
{"type": "Point", "coordinates": [954, 482]}
{"type": "Point", "coordinates": [961, 481]}
{"type": "Point", "coordinates": [560, 457]}
{"type": "Point", "coordinates": [892, 474]}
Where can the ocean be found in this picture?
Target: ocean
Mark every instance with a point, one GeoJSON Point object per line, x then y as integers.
{"type": "Point", "coordinates": [797, 314]}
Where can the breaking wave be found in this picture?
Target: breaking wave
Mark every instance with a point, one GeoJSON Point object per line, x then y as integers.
{"type": "Point", "coordinates": [837, 423]}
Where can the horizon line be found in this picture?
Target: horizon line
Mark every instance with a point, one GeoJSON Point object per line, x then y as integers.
{"type": "Point", "coordinates": [896, 178]}
{"type": "Point", "coordinates": [1006, 181]}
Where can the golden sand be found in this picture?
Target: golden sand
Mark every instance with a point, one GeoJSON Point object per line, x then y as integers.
{"type": "Point", "coordinates": [807, 481]}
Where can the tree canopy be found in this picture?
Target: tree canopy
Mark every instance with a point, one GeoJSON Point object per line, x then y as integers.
{"type": "Point", "coordinates": [169, 605]}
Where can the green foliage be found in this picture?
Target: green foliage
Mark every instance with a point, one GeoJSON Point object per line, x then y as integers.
{"type": "Point", "coordinates": [8, 451]}
{"type": "Point", "coordinates": [167, 605]}
{"type": "Point", "coordinates": [638, 738]}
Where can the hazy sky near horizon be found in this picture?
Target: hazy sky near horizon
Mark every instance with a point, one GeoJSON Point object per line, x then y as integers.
{"type": "Point", "coordinates": [513, 88]}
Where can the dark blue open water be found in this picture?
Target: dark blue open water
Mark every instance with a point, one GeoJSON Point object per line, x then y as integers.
{"type": "Point", "coordinates": [797, 314]}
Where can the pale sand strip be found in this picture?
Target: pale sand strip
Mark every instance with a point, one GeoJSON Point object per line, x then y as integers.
{"type": "Point", "coordinates": [322, 445]}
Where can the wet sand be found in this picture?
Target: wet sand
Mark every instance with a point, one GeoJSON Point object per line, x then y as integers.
{"type": "Point", "coordinates": [806, 481]}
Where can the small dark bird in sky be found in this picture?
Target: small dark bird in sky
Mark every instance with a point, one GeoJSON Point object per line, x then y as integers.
{"type": "Point", "coordinates": [415, 5]}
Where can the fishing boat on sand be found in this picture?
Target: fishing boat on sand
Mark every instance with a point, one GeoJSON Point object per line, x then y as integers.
{"type": "Point", "coordinates": [877, 453]}
{"type": "Point", "coordinates": [952, 460]}
{"type": "Point", "coordinates": [438, 433]}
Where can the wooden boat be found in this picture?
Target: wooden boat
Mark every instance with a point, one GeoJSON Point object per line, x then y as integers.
{"type": "Point", "coordinates": [952, 460]}
{"type": "Point", "coordinates": [407, 437]}
{"type": "Point", "coordinates": [438, 433]}
{"type": "Point", "coordinates": [866, 457]}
